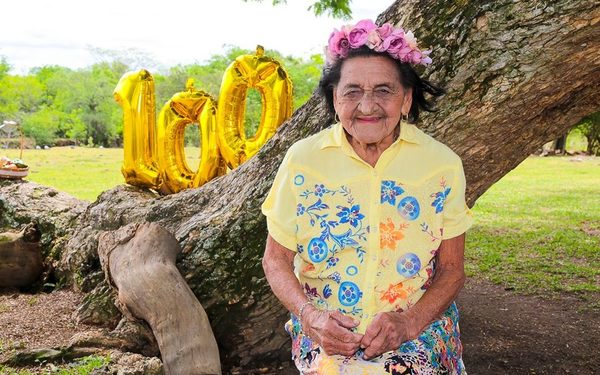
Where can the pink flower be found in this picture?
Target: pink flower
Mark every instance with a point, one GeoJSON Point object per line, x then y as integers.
{"type": "Point", "coordinates": [394, 42]}
{"type": "Point", "coordinates": [338, 44]}
{"type": "Point", "coordinates": [414, 57]}
{"type": "Point", "coordinates": [366, 25]}
{"type": "Point", "coordinates": [385, 30]}
{"type": "Point", "coordinates": [403, 53]}
{"type": "Point", "coordinates": [374, 41]}
{"type": "Point", "coordinates": [359, 34]}
{"type": "Point", "coordinates": [399, 44]}
{"type": "Point", "coordinates": [410, 40]}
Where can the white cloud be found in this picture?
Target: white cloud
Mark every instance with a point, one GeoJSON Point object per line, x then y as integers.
{"type": "Point", "coordinates": [37, 32]}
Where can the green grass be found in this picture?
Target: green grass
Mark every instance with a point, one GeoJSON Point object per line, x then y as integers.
{"type": "Point", "coordinates": [81, 366]}
{"type": "Point", "coordinates": [80, 171]}
{"type": "Point", "coordinates": [538, 229]}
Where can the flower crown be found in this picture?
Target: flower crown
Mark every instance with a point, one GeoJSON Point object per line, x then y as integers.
{"type": "Point", "coordinates": [396, 42]}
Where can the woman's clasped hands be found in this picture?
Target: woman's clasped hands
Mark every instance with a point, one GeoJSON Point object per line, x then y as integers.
{"type": "Point", "coordinates": [332, 330]}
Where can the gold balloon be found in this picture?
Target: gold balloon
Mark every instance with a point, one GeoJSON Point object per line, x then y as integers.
{"type": "Point", "coordinates": [185, 108]}
{"type": "Point", "coordinates": [154, 156]}
{"type": "Point", "coordinates": [135, 94]}
{"type": "Point", "coordinates": [272, 81]}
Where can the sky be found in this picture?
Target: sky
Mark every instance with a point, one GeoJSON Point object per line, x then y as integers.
{"type": "Point", "coordinates": [71, 32]}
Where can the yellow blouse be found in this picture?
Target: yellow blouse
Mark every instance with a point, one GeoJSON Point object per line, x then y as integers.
{"type": "Point", "coordinates": [366, 237]}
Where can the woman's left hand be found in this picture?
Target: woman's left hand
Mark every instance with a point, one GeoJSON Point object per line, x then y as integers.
{"type": "Point", "coordinates": [387, 332]}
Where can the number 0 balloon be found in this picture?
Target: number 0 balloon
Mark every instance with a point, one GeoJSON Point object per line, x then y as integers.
{"type": "Point", "coordinates": [270, 79]}
{"type": "Point", "coordinates": [154, 154]}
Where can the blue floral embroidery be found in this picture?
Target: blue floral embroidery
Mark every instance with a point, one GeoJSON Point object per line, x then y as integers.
{"type": "Point", "coordinates": [409, 208]}
{"type": "Point", "coordinates": [320, 190]}
{"type": "Point", "coordinates": [439, 199]}
{"type": "Point", "coordinates": [318, 212]}
{"type": "Point", "coordinates": [332, 262]}
{"type": "Point", "coordinates": [300, 209]}
{"type": "Point", "coordinates": [389, 192]}
{"type": "Point", "coordinates": [299, 248]}
{"type": "Point", "coordinates": [351, 215]}
{"type": "Point", "coordinates": [355, 310]}
{"type": "Point", "coordinates": [408, 265]}
{"type": "Point", "coordinates": [349, 294]}
{"type": "Point", "coordinates": [317, 250]}
{"type": "Point", "coordinates": [327, 291]}
{"type": "Point", "coordinates": [335, 277]}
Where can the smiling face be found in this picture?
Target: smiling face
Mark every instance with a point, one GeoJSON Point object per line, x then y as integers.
{"type": "Point", "coordinates": [369, 99]}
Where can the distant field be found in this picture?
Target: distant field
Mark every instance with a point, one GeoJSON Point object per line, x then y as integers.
{"type": "Point", "coordinates": [80, 171]}
{"type": "Point", "coordinates": [537, 230]}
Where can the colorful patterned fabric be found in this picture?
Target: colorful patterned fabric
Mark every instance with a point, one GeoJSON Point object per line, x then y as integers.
{"type": "Point", "coordinates": [437, 350]}
{"type": "Point", "coordinates": [366, 237]}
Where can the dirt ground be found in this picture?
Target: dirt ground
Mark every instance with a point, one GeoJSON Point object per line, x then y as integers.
{"type": "Point", "coordinates": [506, 333]}
{"type": "Point", "coordinates": [503, 333]}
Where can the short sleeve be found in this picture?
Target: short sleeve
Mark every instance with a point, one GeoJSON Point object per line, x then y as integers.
{"type": "Point", "coordinates": [279, 207]}
{"type": "Point", "coordinates": [457, 215]}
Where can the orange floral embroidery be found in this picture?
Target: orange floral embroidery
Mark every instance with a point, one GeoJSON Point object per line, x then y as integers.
{"type": "Point", "coordinates": [308, 268]}
{"type": "Point", "coordinates": [394, 292]}
{"type": "Point", "coordinates": [390, 235]}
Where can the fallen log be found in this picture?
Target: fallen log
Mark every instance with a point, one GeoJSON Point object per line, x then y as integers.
{"type": "Point", "coordinates": [21, 261]}
{"type": "Point", "coordinates": [139, 259]}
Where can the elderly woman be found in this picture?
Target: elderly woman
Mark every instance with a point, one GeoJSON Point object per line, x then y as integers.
{"type": "Point", "coordinates": [366, 220]}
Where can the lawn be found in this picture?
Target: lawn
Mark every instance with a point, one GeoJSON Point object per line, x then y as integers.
{"type": "Point", "coordinates": [537, 229]}
{"type": "Point", "coordinates": [80, 171]}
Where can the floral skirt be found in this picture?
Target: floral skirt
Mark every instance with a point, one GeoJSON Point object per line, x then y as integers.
{"type": "Point", "coordinates": [437, 350]}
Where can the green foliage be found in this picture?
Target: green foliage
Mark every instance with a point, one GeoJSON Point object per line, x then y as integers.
{"type": "Point", "coordinates": [576, 141]}
{"type": "Point", "coordinates": [333, 8]}
{"type": "Point", "coordinates": [207, 77]}
{"type": "Point", "coordinates": [4, 67]}
{"type": "Point", "coordinates": [54, 103]}
{"type": "Point", "coordinates": [589, 126]}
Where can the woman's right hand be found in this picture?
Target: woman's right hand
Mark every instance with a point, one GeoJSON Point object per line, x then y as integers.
{"type": "Point", "coordinates": [331, 330]}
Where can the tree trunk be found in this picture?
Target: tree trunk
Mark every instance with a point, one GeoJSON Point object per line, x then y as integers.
{"type": "Point", "coordinates": [518, 74]}
{"type": "Point", "coordinates": [140, 260]}
{"type": "Point", "coordinates": [20, 257]}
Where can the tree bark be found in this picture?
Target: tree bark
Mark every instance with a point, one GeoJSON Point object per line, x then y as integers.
{"type": "Point", "coordinates": [140, 260]}
{"type": "Point", "coordinates": [20, 257]}
{"type": "Point", "coordinates": [518, 73]}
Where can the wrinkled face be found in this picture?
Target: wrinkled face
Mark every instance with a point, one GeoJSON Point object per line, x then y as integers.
{"type": "Point", "coordinates": [369, 98]}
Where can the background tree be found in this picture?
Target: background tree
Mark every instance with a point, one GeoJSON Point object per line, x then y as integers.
{"type": "Point", "coordinates": [590, 128]}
